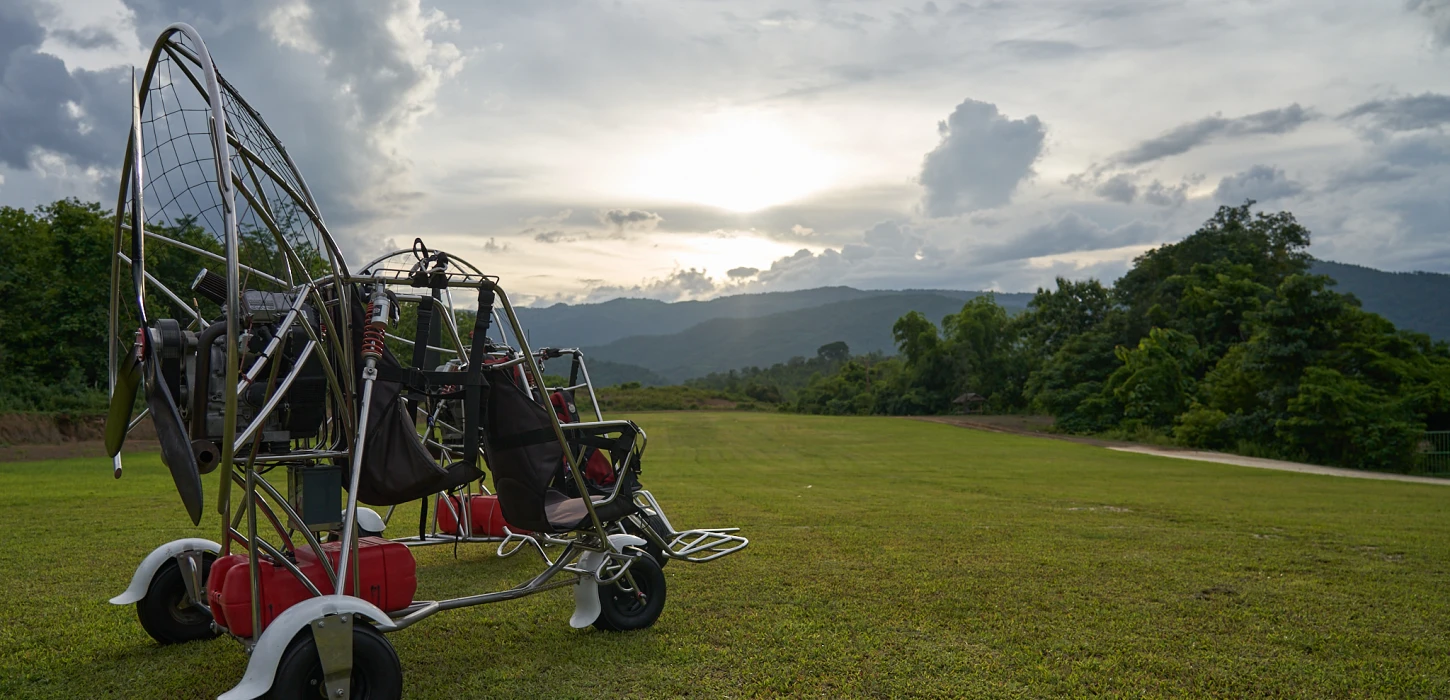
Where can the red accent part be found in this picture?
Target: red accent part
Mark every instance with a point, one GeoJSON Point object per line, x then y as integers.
{"type": "Point", "coordinates": [598, 469]}
{"type": "Point", "coordinates": [484, 513]}
{"type": "Point", "coordinates": [386, 570]}
{"type": "Point", "coordinates": [214, 581]}
{"type": "Point", "coordinates": [373, 341]}
{"type": "Point", "coordinates": [561, 406]}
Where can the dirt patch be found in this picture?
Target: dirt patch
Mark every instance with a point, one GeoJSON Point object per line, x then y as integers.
{"type": "Point", "coordinates": [28, 437]}
{"type": "Point", "coordinates": [72, 450]}
{"type": "Point", "coordinates": [53, 429]}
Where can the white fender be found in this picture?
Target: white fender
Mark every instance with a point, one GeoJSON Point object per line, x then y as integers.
{"type": "Point", "coordinates": [262, 668]}
{"type": "Point", "coordinates": [141, 580]}
{"type": "Point", "coordinates": [586, 590]}
{"type": "Point", "coordinates": [368, 520]}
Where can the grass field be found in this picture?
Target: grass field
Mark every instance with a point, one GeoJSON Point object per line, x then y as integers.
{"type": "Point", "coordinates": [889, 558]}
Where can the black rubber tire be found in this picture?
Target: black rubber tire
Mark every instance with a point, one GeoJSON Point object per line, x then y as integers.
{"type": "Point", "coordinates": [376, 672]}
{"type": "Point", "coordinates": [166, 614]}
{"type": "Point", "coordinates": [622, 611]}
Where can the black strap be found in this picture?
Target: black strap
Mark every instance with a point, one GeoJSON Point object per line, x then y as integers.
{"type": "Point", "coordinates": [474, 383]}
{"type": "Point", "coordinates": [420, 352]}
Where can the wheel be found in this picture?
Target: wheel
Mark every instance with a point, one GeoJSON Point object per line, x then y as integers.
{"type": "Point", "coordinates": [376, 672]}
{"type": "Point", "coordinates": [657, 524]}
{"type": "Point", "coordinates": [165, 612]}
{"type": "Point", "coordinates": [622, 610]}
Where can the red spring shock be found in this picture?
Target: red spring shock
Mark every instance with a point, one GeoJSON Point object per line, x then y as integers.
{"type": "Point", "coordinates": [372, 344]}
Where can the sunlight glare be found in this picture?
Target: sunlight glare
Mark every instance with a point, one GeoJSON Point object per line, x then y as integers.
{"type": "Point", "coordinates": [741, 162]}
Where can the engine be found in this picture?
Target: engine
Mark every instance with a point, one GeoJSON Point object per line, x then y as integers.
{"type": "Point", "coordinates": [194, 364]}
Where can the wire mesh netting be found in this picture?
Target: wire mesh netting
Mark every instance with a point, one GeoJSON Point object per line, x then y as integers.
{"type": "Point", "coordinates": [182, 200]}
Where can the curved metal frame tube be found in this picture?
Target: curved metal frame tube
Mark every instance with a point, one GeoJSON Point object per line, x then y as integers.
{"type": "Point", "coordinates": [277, 396]}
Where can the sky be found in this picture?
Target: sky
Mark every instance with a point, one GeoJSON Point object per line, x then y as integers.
{"type": "Point", "coordinates": [686, 149]}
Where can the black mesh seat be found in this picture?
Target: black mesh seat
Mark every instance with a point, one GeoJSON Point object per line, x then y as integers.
{"type": "Point", "coordinates": [524, 455]}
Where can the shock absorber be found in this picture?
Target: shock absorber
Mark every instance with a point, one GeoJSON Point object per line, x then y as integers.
{"type": "Point", "coordinates": [378, 312]}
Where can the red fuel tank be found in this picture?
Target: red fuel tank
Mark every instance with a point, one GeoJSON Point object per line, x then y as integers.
{"type": "Point", "coordinates": [487, 517]}
{"type": "Point", "coordinates": [386, 571]}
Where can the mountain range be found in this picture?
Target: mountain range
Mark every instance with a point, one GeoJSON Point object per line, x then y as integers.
{"type": "Point", "coordinates": [655, 342]}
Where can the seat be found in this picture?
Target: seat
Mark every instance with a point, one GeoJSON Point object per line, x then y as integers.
{"type": "Point", "coordinates": [566, 514]}
{"type": "Point", "coordinates": [524, 454]}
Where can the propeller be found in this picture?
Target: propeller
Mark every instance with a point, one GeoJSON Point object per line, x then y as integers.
{"type": "Point", "coordinates": [154, 341]}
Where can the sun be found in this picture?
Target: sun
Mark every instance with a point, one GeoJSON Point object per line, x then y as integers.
{"type": "Point", "coordinates": [740, 161]}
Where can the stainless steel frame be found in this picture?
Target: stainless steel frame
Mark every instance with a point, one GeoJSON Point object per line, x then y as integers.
{"type": "Point", "coordinates": [250, 175]}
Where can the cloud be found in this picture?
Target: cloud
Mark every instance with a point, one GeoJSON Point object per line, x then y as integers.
{"type": "Point", "coordinates": [679, 285]}
{"type": "Point", "coordinates": [383, 54]}
{"type": "Point", "coordinates": [1437, 12]}
{"type": "Point", "coordinates": [1161, 195]}
{"type": "Point", "coordinates": [340, 83]}
{"type": "Point", "coordinates": [1070, 232]}
{"type": "Point", "coordinates": [1127, 187]}
{"type": "Point", "coordinates": [493, 246]}
{"type": "Point", "coordinates": [630, 219]}
{"type": "Point", "coordinates": [1036, 49]}
{"type": "Point", "coordinates": [555, 236]}
{"type": "Point", "coordinates": [1186, 137]}
{"type": "Point", "coordinates": [742, 272]}
{"type": "Point", "coordinates": [981, 159]}
{"type": "Point", "coordinates": [1425, 111]}
{"type": "Point", "coordinates": [86, 38]}
{"type": "Point", "coordinates": [46, 108]}
{"type": "Point", "coordinates": [1261, 183]}
{"type": "Point", "coordinates": [1118, 188]}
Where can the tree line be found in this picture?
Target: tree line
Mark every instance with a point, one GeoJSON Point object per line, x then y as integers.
{"type": "Point", "coordinates": [56, 284]}
{"type": "Point", "coordinates": [1223, 340]}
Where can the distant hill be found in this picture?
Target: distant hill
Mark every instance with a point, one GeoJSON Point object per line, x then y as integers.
{"type": "Point", "coordinates": [586, 325]}
{"type": "Point", "coordinates": [606, 373]}
{"type": "Point", "coordinates": [654, 342]}
{"type": "Point", "coordinates": [1419, 301]}
{"type": "Point", "coordinates": [723, 344]}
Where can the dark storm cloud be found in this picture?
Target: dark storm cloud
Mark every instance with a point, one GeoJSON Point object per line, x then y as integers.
{"type": "Point", "coordinates": [982, 157]}
{"type": "Point", "coordinates": [1182, 139]}
{"type": "Point", "coordinates": [1424, 111]}
{"type": "Point", "coordinates": [45, 107]}
{"type": "Point", "coordinates": [1260, 183]}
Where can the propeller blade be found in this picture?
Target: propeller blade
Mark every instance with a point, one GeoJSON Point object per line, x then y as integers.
{"type": "Point", "coordinates": [123, 399]}
{"type": "Point", "coordinates": [175, 444]}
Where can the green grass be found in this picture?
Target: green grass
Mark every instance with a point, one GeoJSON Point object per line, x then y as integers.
{"type": "Point", "coordinates": [889, 558]}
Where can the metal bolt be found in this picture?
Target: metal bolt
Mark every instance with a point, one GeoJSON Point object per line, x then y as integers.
{"type": "Point", "coordinates": [321, 624]}
{"type": "Point", "coordinates": [343, 618]}
{"type": "Point", "coordinates": [339, 692]}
